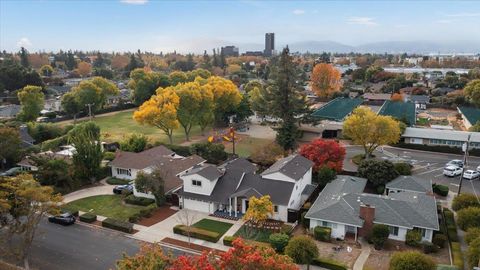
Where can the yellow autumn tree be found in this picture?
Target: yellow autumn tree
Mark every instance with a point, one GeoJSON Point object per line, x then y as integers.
{"type": "Point", "coordinates": [226, 95]}
{"type": "Point", "coordinates": [325, 80]}
{"type": "Point", "coordinates": [160, 111]}
{"type": "Point", "coordinates": [370, 130]}
{"type": "Point", "coordinates": [190, 105]}
{"type": "Point", "coordinates": [259, 210]}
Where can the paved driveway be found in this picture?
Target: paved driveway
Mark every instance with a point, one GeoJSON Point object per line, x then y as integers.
{"type": "Point", "coordinates": [88, 192]}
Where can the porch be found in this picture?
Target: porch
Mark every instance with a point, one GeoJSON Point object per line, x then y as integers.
{"type": "Point", "coordinates": [226, 215]}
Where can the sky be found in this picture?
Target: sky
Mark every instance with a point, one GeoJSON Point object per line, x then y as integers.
{"type": "Point", "coordinates": [194, 26]}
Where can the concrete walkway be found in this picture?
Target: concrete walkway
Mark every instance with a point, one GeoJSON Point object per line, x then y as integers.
{"type": "Point", "coordinates": [88, 192]}
{"type": "Point", "coordinates": [362, 258]}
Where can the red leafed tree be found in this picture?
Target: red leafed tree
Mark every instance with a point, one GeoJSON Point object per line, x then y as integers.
{"type": "Point", "coordinates": [324, 153]}
{"type": "Point", "coordinates": [240, 257]}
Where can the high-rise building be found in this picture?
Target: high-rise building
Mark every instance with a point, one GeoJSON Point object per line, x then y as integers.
{"type": "Point", "coordinates": [269, 44]}
{"type": "Point", "coordinates": [230, 51]}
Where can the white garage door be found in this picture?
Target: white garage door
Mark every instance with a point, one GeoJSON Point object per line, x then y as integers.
{"type": "Point", "coordinates": [196, 205]}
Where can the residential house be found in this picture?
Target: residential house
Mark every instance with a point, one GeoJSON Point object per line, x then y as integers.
{"type": "Point", "coordinates": [437, 137]}
{"type": "Point", "coordinates": [225, 190]}
{"type": "Point", "coordinates": [409, 183]}
{"type": "Point", "coordinates": [375, 98]}
{"type": "Point", "coordinates": [420, 101]}
{"type": "Point", "coordinates": [343, 207]}
{"type": "Point", "coordinates": [9, 111]}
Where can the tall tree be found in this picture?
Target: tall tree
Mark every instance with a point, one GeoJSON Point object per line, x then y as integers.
{"type": "Point", "coordinates": [71, 105]}
{"type": "Point", "coordinates": [152, 183]}
{"type": "Point", "coordinates": [190, 102]}
{"type": "Point", "coordinates": [32, 100]}
{"type": "Point", "coordinates": [84, 69]}
{"type": "Point", "coordinates": [177, 77]}
{"type": "Point", "coordinates": [88, 94]}
{"type": "Point", "coordinates": [99, 61]}
{"type": "Point", "coordinates": [259, 100]}
{"type": "Point", "coordinates": [325, 80]}
{"type": "Point", "coordinates": [24, 58]}
{"type": "Point", "coordinates": [324, 153]}
{"type": "Point", "coordinates": [70, 62]}
{"type": "Point", "coordinates": [144, 83]}
{"type": "Point", "coordinates": [226, 96]}
{"type": "Point", "coordinates": [205, 115]}
{"type": "Point", "coordinates": [472, 92]}
{"type": "Point", "coordinates": [10, 145]}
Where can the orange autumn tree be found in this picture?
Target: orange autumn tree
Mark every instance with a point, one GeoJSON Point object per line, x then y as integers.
{"type": "Point", "coordinates": [397, 97]}
{"type": "Point", "coordinates": [325, 80]}
{"type": "Point", "coordinates": [84, 68]}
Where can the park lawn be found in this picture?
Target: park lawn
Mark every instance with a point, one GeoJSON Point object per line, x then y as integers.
{"type": "Point", "coordinates": [213, 226]}
{"type": "Point", "coordinates": [246, 145]}
{"type": "Point", "coordinates": [254, 234]}
{"type": "Point", "coordinates": [111, 206]}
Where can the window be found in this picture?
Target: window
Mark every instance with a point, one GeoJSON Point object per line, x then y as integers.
{"type": "Point", "coordinates": [329, 224]}
{"type": "Point", "coordinates": [124, 172]}
{"type": "Point", "coordinates": [196, 183]}
{"type": "Point", "coordinates": [424, 233]}
{"type": "Point", "coordinates": [393, 230]}
{"type": "Point", "coordinates": [275, 208]}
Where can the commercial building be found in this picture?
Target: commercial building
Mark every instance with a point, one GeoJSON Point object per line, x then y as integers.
{"type": "Point", "coordinates": [438, 137]}
{"type": "Point", "coordinates": [229, 51]}
{"type": "Point", "coordinates": [269, 44]}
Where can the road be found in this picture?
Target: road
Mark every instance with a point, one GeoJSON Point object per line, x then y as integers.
{"type": "Point", "coordinates": [80, 247]}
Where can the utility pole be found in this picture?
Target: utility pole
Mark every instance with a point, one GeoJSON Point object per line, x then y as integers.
{"type": "Point", "coordinates": [89, 105]}
{"type": "Point", "coordinates": [465, 156]}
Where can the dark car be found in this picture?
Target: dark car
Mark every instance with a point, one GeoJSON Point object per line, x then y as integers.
{"type": "Point", "coordinates": [64, 219]}
{"type": "Point", "coordinates": [121, 188]}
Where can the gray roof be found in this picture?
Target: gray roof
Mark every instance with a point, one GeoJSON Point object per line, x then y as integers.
{"type": "Point", "coordinates": [424, 205]}
{"type": "Point", "coordinates": [452, 135]}
{"type": "Point", "coordinates": [294, 166]}
{"type": "Point", "coordinates": [420, 98]}
{"type": "Point", "coordinates": [208, 171]}
{"type": "Point", "coordinates": [9, 111]}
{"type": "Point", "coordinates": [27, 140]}
{"type": "Point", "coordinates": [410, 183]}
{"type": "Point", "coordinates": [240, 163]}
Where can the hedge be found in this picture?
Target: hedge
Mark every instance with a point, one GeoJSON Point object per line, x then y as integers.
{"type": "Point", "coordinates": [457, 255]}
{"type": "Point", "coordinates": [117, 181]}
{"type": "Point", "coordinates": [403, 168]}
{"type": "Point", "coordinates": [197, 233]}
{"type": "Point", "coordinates": [439, 240]}
{"type": "Point", "coordinates": [132, 199]}
{"type": "Point", "coordinates": [328, 264]}
{"type": "Point", "coordinates": [440, 189]}
{"type": "Point", "coordinates": [228, 240]}
{"type": "Point", "coordinates": [88, 217]}
{"type": "Point", "coordinates": [118, 225]}
{"type": "Point", "coordinates": [322, 233]}
{"type": "Point", "coordinates": [451, 226]}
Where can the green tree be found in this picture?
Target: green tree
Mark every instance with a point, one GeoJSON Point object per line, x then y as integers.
{"type": "Point", "coordinates": [88, 93]}
{"type": "Point", "coordinates": [468, 218]}
{"type": "Point", "coordinates": [152, 182]}
{"type": "Point", "coordinates": [279, 241]}
{"type": "Point", "coordinates": [411, 260]}
{"type": "Point", "coordinates": [24, 58]}
{"type": "Point", "coordinates": [473, 253]}
{"type": "Point", "coordinates": [324, 176]}
{"type": "Point", "coordinates": [144, 83]}
{"type": "Point", "coordinates": [464, 200]}
{"type": "Point", "coordinates": [70, 62]}
{"type": "Point", "coordinates": [380, 233]}
{"type": "Point", "coordinates": [71, 105]}
{"type": "Point", "coordinates": [177, 77]}
{"type": "Point", "coordinates": [214, 153]}
{"type": "Point", "coordinates": [46, 70]}
{"type": "Point", "coordinates": [134, 143]}
{"type": "Point", "coordinates": [472, 92]}
{"type": "Point", "coordinates": [259, 101]}
{"type": "Point", "coordinates": [243, 111]}
{"type": "Point", "coordinates": [190, 102]}
{"type": "Point", "coordinates": [54, 172]}
{"type": "Point", "coordinates": [377, 172]}
{"type": "Point", "coordinates": [10, 146]}
{"type": "Point", "coordinates": [302, 249]}
{"type": "Point", "coordinates": [32, 100]}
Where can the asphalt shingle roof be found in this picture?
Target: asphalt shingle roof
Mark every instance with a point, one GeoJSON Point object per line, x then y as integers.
{"type": "Point", "coordinates": [294, 166]}
{"type": "Point", "coordinates": [410, 183]}
{"type": "Point", "coordinates": [472, 114]}
{"type": "Point", "coordinates": [399, 110]}
{"type": "Point", "coordinates": [337, 109]}
{"type": "Point", "coordinates": [209, 171]}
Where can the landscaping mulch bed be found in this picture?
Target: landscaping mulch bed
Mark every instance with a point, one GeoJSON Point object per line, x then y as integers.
{"type": "Point", "coordinates": [160, 214]}
{"type": "Point", "coordinates": [199, 248]}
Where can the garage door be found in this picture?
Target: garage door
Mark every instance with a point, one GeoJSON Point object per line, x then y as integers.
{"type": "Point", "coordinates": [196, 205]}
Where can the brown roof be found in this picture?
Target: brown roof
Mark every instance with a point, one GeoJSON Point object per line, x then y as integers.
{"type": "Point", "coordinates": [174, 166]}
{"type": "Point", "coordinates": [28, 160]}
{"type": "Point", "coordinates": [141, 160]}
{"type": "Point", "coordinates": [376, 96]}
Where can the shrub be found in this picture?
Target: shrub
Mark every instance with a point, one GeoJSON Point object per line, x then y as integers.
{"type": "Point", "coordinates": [468, 218]}
{"type": "Point", "coordinates": [451, 226]}
{"type": "Point", "coordinates": [118, 225]}
{"type": "Point", "coordinates": [403, 168]}
{"type": "Point", "coordinates": [305, 221]}
{"type": "Point", "coordinates": [328, 264]}
{"type": "Point", "coordinates": [228, 240]}
{"type": "Point", "coordinates": [473, 253]}
{"type": "Point", "coordinates": [413, 238]}
{"type": "Point", "coordinates": [457, 255]}
{"type": "Point", "coordinates": [109, 156]}
{"type": "Point", "coordinates": [439, 240]}
{"type": "Point", "coordinates": [147, 212]}
{"type": "Point", "coordinates": [134, 218]}
{"type": "Point", "coordinates": [134, 143]}
{"type": "Point", "coordinates": [322, 233]}
{"type": "Point", "coordinates": [88, 217]}
{"type": "Point", "coordinates": [213, 152]}
{"type": "Point", "coordinates": [279, 241]}
{"type": "Point", "coordinates": [286, 229]}
{"type": "Point", "coordinates": [463, 201]}
{"type": "Point", "coordinates": [440, 189]}
{"type": "Point", "coordinates": [428, 247]}
{"type": "Point", "coordinates": [408, 260]}
{"type": "Point", "coordinates": [302, 249]}
{"type": "Point", "coordinates": [472, 234]}
{"type": "Point", "coordinates": [380, 189]}
{"type": "Point", "coordinates": [377, 172]}
{"type": "Point", "coordinates": [197, 233]}
{"type": "Point", "coordinates": [117, 181]}
{"type": "Point", "coordinates": [131, 199]}
{"type": "Point", "coordinates": [380, 234]}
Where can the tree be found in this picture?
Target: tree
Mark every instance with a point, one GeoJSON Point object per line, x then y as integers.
{"type": "Point", "coordinates": [472, 234]}
{"type": "Point", "coordinates": [324, 153]}
{"type": "Point", "coordinates": [214, 153]}
{"type": "Point", "coordinates": [107, 88]}
{"type": "Point", "coordinates": [186, 218]}
{"type": "Point", "coordinates": [324, 175]}
{"type": "Point", "coordinates": [267, 154]}
{"type": "Point", "coordinates": [144, 83]}
{"type": "Point", "coordinates": [32, 100]}
{"type": "Point", "coordinates": [258, 100]}
{"type": "Point", "coordinates": [13, 76]}
{"type": "Point", "coordinates": [259, 210]}
{"type": "Point", "coordinates": [134, 143]}
{"type": "Point", "coordinates": [152, 182]}
{"type": "Point", "coordinates": [370, 130]}
{"type": "Point", "coordinates": [243, 111]}
{"type": "Point", "coordinates": [133, 64]}
{"type": "Point", "coordinates": [473, 253]}
{"type": "Point", "coordinates": [70, 61]}
{"type": "Point", "coordinates": [88, 94]}
{"type": "Point", "coordinates": [325, 80]}
{"type": "Point", "coordinates": [10, 145]}
{"type": "Point", "coordinates": [119, 61]}
{"type": "Point", "coordinates": [84, 69]}
{"type": "Point", "coordinates": [465, 200]}
{"type": "Point", "coordinates": [46, 70]}
{"type": "Point", "coordinates": [26, 206]}
{"type": "Point", "coordinates": [88, 153]}
{"type": "Point", "coordinates": [468, 218]}
{"type": "Point", "coordinates": [411, 260]}
{"type": "Point", "coordinates": [226, 96]}
{"type": "Point", "coordinates": [302, 249]}
{"type": "Point", "coordinates": [279, 241]}
{"type": "Point", "coordinates": [177, 77]}
{"type": "Point", "coordinates": [71, 105]}
{"type": "Point", "coordinates": [54, 172]}
{"type": "Point", "coordinates": [160, 111]}
{"type": "Point", "coordinates": [205, 115]}
{"type": "Point", "coordinates": [24, 58]}
{"type": "Point", "coordinates": [150, 257]}
{"type": "Point", "coordinates": [99, 61]}
{"type": "Point", "coordinates": [380, 233]}
{"type": "Point", "coordinates": [190, 102]}
{"type": "Point", "coordinates": [472, 92]}
{"type": "Point", "coordinates": [377, 172]}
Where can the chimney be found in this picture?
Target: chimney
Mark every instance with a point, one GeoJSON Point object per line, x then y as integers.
{"type": "Point", "coordinates": [367, 213]}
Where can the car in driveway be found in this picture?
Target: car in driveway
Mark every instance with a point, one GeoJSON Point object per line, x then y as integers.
{"type": "Point", "coordinates": [452, 171]}
{"type": "Point", "coordinates": [471, 174]}
{"type": "Point", "coordinates": [120, 189]}
{"type": "Point", "coordinates": [63, 219]}
{"type": "Point", "coordinates": [12, 171]}
{"type": "Point", "coordinates": [455, 162]}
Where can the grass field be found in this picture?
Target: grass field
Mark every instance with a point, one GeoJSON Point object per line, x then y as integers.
{"type": "Point", "coordinates": [213, 225]}
{"type": "Point", "coordinates": [111, 206]}
{"type": "Point", "coordinates": [254, 234]}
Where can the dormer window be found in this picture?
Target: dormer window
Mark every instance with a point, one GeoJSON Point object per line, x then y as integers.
{"type": "Point", "coordinates": [196, 183]}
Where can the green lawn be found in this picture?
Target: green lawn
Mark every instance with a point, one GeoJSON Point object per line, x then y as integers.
{"type": "Point", "coordinates": [254, 234]}
{"type": "Point", "coordinates": [247, 145]}
{"type": "Point", "coordinates": [111, 206]}
{"type": "Point", "coordinates": [213, 226]}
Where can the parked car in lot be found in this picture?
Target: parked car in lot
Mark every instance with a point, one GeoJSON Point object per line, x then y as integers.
{"type": "Point", "coordinates": [12, 171]}
{"type": "Point", "coordinates": [119, 189]}
{"type": "Point", "coordinates": [452, 171]}
{"type": "Point", "coordinates": [455, 162]}
{"type": "Point", "coordinates": [471, 174]}
{"type": "Point", "coordinates": [63, 219]}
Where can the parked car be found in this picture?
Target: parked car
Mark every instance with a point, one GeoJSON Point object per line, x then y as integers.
{"type": "Point", "coordinates": [12, 171]}
{"type": "Point", "coordinates": [455, 162]}
{"type": "Point", "coordinates": [478, 168]}
{"type": "Point", "coordinates": [471, 174]}
{"type": "Point", "coordinates": [452, 171]}
{"type": "Point", "coordinates": [119, 189]}
{"type": "Point", "coordinates": [63, 219]}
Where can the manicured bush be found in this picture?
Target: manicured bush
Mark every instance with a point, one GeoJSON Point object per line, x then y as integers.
{"type": "Point", "coordinates": [302, 249]}
{"type": "Point", "coordinates": [322, 233]}
{"type": "Point", "coordinates": [468, 218]}
{"type": "Point", "coordinates": [413, 238]}
{"type": "Point", "coordinates": [117, 181]}
{"type": "Point", "coordinates": [403, 168]}
{"type": "Point", "coordinates": [71, 211]}
{"type": "Point", "coordinates": [380, 233]}
{"type": "Point", "coordinates": [408, 260]}
{"type": "Point", "coordinates": [197, 233]}
{"type": "Point", "coordinates": [451, 226]}
{"type": "Point", "coordinates": [439, 240]}
{"type": "Point", "coordinates": [228, 240]}
{"type": "Point", "coordinates": [328, 264]}
{"type": "Point", "coordinates": [377, 172]}
{"type": "Point", "coordinates": [109, 156]}
{"type": "Point", "coordinates": [457, 255]}
{"type": "Point", "coordinates": [473, 253]}
{"type": "Point", "coordinates": [380, 189]}
{"type": "Point", "coordinates": [88, 217]}
{"type": "Point", "coordinates": [118, 225]}
{"type": "Point", "coordinates": [440, 189]}
{"type": "Point", "coordinates": [464, 200]}
{"type": "Point", "coordinates": [428, 247]}
{"type": "Point", "coordinates": [279, 241]}
{"type": "Point", "coordinates": [472, 234]}
{"type": "Point", "coordinates": [132, 199]}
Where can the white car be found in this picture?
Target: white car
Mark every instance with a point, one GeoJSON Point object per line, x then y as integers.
{"type": "Point", "coordinates": [452, 171]}
{"type": "Point", "coordinates": [471, 174]}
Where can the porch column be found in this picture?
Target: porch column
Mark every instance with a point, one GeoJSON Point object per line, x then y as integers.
{"type": "Point", "coordinates": [356, 233]}
{"type": "Point", "coordinates": [235, 206]}
{"type": "Point", "coordinates": [230, 206]}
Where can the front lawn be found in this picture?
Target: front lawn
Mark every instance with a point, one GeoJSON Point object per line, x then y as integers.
{"type": "Point", "coordinates": [213, 225]}
{"type": "Point", "coordinates": [254, 234]}
{"type": "Point", "coordinates": [111, 206]}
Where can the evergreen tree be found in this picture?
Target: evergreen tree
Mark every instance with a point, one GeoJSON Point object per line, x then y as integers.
{"type": "Point", "coordinates": [223, 62]}
{"type": "Point", "coordinates": [215, 60]}
{"type": "Point", "coordinates": [24, 58]}
{"type": "Point", "coordinates": [99, 62]}
{"type": "Point", "coordinates": [190, 65]}
{"type": "Point", "coordinates": [206, 60]}
{"type": "Point", "coordinates": [70, 61]}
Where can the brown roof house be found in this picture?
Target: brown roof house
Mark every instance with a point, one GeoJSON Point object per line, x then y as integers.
{"type": "Point", "coordinates": [127, 165]}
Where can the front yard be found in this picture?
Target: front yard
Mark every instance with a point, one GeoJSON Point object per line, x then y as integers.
{"type": "Point", "coordinates": [213, 226]}
{"type": "Point", "coordinates": [111, 206]}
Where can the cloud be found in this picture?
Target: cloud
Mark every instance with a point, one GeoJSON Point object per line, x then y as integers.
{"type": "Point", "coordinates": [361, 20]}
{"type": "Point", "coordinates": [24, 42]}
{"type": "Point", "coordinates": [444, 21]}
{"type": "Point", "coordinates": [134, 2]}
{"type": "Point", "coordinates": [298, 12]}
{"type": "Point", "coordinates": [464, 14]}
